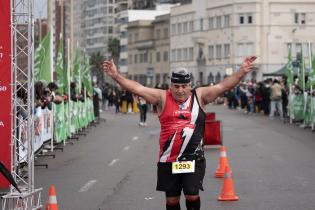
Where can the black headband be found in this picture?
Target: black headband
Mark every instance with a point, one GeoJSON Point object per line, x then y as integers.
{"type": "Point", "coordinates": [180, 78]}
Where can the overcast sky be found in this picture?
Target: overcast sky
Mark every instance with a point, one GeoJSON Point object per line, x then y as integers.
{"type": "Point", "coordinates": [40, 8]}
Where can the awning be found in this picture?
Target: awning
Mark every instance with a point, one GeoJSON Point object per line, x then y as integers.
{"type": "Point", "coordinates": [283, 72]}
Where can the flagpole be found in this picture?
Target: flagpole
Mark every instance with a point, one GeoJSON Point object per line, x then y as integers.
{"type": "Point", "coordinates": [51, 68]}
{"type": "Point", "coordinates": [68, 75]}
{"type": "Point", "coordinates": [311, 86]}
{"type": "Point", "coordinates": [303, 86]}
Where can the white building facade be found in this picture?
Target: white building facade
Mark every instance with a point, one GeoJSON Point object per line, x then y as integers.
{"type": "Point", "coordinates": [97, 25]}
{"type": "Point", "coordinates": [211, 37]}
{"type": "Point", "coordinates": [126, 16]}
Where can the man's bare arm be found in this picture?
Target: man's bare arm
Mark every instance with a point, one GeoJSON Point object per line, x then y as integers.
{"type": "Point", "coordinates": [151, 95]}
{"type": "Point", "coordinates": [210, 93]}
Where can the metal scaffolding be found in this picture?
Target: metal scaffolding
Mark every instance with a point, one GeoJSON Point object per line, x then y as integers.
{"type": "Point", "coordinates": [22, 163]}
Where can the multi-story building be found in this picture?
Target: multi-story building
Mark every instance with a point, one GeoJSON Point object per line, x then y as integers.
{"type": "Point", "coordinates": [161, 64]}
{"type": "Point", "coordinates": [124, 18]}
{"type": "Point", "coordinates": [212, 37]}
{"type": "Point", "coordinates": [140, 51]}
{"type": "Point", "coordinates": [72, 24]}
{"type": "Point", "coordinates": [97, 26]}
{"type": "Point", "coordinates": [148, 47]}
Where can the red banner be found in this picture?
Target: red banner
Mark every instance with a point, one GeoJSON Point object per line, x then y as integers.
{"type": "Point", "coordinates": [5, 88]}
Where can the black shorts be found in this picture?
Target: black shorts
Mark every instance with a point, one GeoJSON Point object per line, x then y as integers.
{"type": "Point", "coordinates": [173, 184]}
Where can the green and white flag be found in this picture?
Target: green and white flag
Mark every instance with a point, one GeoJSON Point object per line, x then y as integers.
{"type": "Point", "coordinates": [60, 68]}
{"type": "Point", "coordinates": [301, 81]}
{"type": "Point", "coordinates": [75, 76]}
{"type": "Point", "coordinates": [311, 77]}
{"type": "Point", "coordinates": [87, 81]}
{"type": "Point", "coordinates": [42, 67]}
{"type": "Point", "coordinates": [289, 68]}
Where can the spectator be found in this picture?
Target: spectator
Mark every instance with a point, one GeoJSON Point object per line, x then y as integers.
{"type": "Point", "coordinates": [276, 99]}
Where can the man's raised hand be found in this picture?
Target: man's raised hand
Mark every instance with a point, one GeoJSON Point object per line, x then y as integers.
{"type": "Point", "coordinates": [247, 65]}
{"type": "Point", "coordinates": [110, 68]}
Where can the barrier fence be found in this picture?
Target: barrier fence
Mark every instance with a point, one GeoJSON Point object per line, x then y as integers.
{"type": "Point", "coordinates": [67, 118]}
{"type": "Point", "coordinates": [302, 108]}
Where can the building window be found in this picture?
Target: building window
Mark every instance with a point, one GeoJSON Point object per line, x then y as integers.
{"type": "Point", "coordinates": [218, 78]}
{"type": "Point", "coordinates": [226, 20]}
{"type": "Point", "coordinates": [201, 24]}
{"type": "Point", "coordinates": [136, 37]}
{"type": "Point", "coordinates": [136, 58]}
{"type": "Point", "coordinates": [241, 18]}
{"type": "Point", "coordinates": [250, 48]}
{"type": "Point", "coordinates": [240, 49]}
{"type": "Point", "coordinates": [190, 53]}
{"type": "Point", "coordinates": [110, 29]}
{"type": "Point", "coordinates": [130, 59]}
{"type": "Point", "coordinates": [296, 18]}
{"type": "Point", "coordinates": [185, 54]}
{"type": "Point", "coordinates": [179, 54]}
{"type": "Point", "coordinates": [130, 38]}
{"type": "Point", "coordinates": [211, 23]}
{"type": "Point", "coordinates": [300, 18]}
{"type": "Point", "coordinates": [173, 29]}
{"type": "Point", "coordinates": [123, 48]}
{"type": "Point", "coordinates": [210, 78]}
{"type": "Point", "coordinates": [158, 34]}
{"type": "Point", "coordinates": [141, 58]}
{"type": "Point", "coordinates": [165, 32]}
{"type": "Point", "coordinates": [173, 55]}
{"type": "Point", "coordinates": [303, 16]}
{"type": "Point", "coordinates": [219, 23]}
{"type": "Point", "coordinates": [165, 56]}
{"type": "Point", "coordinates": [191, 26]}
{"type": "Point", "coordinates": [145, 57]}
{"type": "Point", "coordinates": [218, 50]}
{"type": "Point", "coordinates": [157, 78]}
{"type": "Point", "coordinates": [249, 19]}
{"type": "Point", "coordinates": [298, 48]}
{"type": "Point", "coordinates": [185, 27]}
{"type": "Point", "coordinates": [226, 50]}
{"type": "Point", "coordinates": [158, 57]}
{"type": "Point", "coordinates": [211, 52]}
{"type": "Point", "coordinates": [179, 28]}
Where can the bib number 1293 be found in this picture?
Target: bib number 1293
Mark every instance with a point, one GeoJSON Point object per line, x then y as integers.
{"type": "Point", "coordinates": [183, 167]}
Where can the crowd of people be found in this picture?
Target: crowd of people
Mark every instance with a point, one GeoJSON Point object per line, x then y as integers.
{"type": "Point", "coordinates": [268, 97]}
{"type": "Point", "coordinates": [122, 101]}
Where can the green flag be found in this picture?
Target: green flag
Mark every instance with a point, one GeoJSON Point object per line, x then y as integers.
{"type": "Point", "coordinates": [42, 68]}
{"type": "Point", "coordinates": [289, 68]}
{"type": "Point", "coordinates": [311, 77]}
{"type": "Point", "coordinates": [301, 81]}
{"type": "Point", "coordinates": [86, 75]}
{"type": "Point", "coordinates": [60, 68]}
{"type": "Point", "coordinates": [75, 77]}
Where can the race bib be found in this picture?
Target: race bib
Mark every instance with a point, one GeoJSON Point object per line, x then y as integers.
{"type": "Point", "coordinates": [183, 167]}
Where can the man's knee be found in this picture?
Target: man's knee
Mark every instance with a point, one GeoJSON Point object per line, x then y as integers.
{"type": "Point", "coordinates": [192, 197]}
{"type": "Point", "coordinates": [172, 200]}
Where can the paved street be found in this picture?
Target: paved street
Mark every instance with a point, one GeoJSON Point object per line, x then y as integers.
{"type": "Point", "coordinates": [114, 166]}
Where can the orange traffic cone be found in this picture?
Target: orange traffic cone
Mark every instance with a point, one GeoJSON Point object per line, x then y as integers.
{"type": "Point", "coordinates": [222, 163]}
{"type": "Point", "coordinates": [227, 193]}
{"type": "Point", "coordinates": [52, 199]}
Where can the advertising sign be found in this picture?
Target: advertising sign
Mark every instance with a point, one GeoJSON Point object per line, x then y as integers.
{"type": "Point", "coordinates": [5, 89]}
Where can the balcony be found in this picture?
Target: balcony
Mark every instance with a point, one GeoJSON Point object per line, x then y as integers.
{"type": "Point", "coordinates": [142, 45]}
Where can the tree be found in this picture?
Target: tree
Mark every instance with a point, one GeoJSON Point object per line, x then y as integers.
{"type": "Point", "coordinates": [96, 61]}
{"type": "Point", "coordinates": [114, 48]}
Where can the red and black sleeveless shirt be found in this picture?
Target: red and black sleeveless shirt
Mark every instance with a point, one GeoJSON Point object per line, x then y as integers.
{"type": "Point", "coordinates": [182, 129]}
